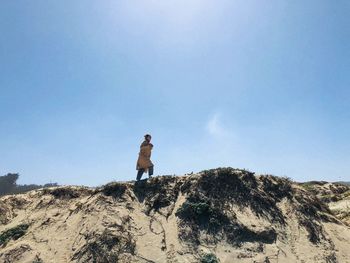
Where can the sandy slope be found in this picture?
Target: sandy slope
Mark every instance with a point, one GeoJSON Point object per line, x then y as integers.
{"type": "Point", "coordinates": [336, 195]}
{"type": "Point", "coordinates": [230, 213]}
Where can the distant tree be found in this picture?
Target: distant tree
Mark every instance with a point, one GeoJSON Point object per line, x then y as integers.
{"type": "Point", "coordinates": [8, 183]}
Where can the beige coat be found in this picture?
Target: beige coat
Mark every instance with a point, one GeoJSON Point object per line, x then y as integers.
{"type": "Point", "coordinates": [144, 160]}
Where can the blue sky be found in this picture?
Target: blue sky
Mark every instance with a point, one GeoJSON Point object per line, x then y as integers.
{"type": "Point", "coordinates": [261, 85]}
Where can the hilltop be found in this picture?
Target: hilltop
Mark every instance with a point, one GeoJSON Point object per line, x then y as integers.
{"type": "Point", "coordinates": [218, 215]}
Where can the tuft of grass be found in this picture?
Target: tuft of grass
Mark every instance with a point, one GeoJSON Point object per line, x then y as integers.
{"type": "Point", "coordinates": [115, 190]}
{"type": "Point", "coordinates": [13, 234]}
{"type": "Point", "coordinates": [346, 194]}
{"type": "Point", "coordinates": [209, 258]}
{"type": "Point", "coordinates": [106, 246]}
{"type": "Point", "coordinates": [62, 192]}
{"type": "Point", "coordinates": [307, 186]}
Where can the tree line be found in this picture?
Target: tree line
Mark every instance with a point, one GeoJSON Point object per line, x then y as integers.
{"type": "Point", "coordinates": [8, 185]}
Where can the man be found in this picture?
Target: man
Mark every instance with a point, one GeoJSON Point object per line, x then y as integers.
{"type": "Point", "coordinates": [144, 162]}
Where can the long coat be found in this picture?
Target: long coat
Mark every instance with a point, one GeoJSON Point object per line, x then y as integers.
{"type": "Point", "coordinates": [144, 160]}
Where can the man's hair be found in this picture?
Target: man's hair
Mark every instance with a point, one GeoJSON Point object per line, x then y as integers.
{"type": "Point", "coordinates": [147, 135]}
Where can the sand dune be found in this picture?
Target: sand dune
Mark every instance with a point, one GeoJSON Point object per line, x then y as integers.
{"type": "Point", "coordinates": [224, 215]}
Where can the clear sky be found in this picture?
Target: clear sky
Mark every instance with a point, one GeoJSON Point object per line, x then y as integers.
{"type": "Point", "coordinates": [261, 85]}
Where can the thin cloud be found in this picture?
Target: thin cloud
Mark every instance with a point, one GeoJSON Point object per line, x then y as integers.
{"type": "Point", "coordinates": [215, 127]}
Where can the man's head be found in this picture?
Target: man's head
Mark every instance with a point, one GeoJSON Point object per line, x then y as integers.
{"type": "Point", "coordinates": [148, 137]}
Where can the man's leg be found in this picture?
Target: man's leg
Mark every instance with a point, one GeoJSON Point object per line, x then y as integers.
{"type": "Point", "coordinates": [150, 171]}
{"type": "Point", "coordinates": [139, 174]}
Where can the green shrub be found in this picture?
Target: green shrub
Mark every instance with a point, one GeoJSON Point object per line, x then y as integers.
{"type": "Point", "coordinates": [13, 233]}
{"type": "Point", "coordinates": [203, 214]}
{"type": "Point", "coordinates": [209, 258]}
{"type": "Point", "coordinates": [194, 210]}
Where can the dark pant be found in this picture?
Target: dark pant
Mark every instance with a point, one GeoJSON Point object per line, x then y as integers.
{"type": "Point", "coordinates": [141, 171]}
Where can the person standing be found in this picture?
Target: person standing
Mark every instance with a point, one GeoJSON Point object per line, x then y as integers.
{"type": "Point", "coordinates": [144, 163]}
